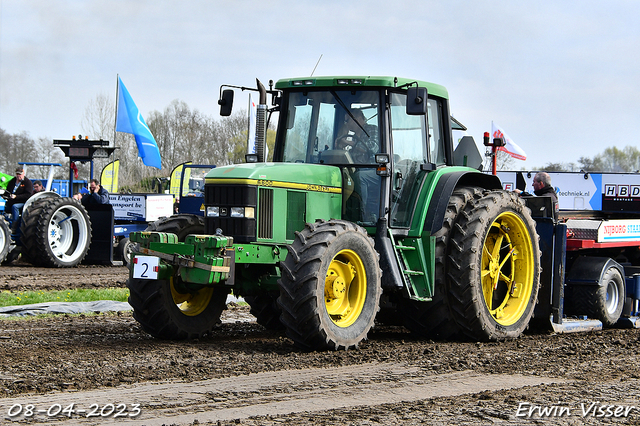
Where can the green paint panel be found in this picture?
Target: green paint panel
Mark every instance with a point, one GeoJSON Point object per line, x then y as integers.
{"type": "Point", "coordinates": [296, 212]}
{"type": "Point", "coordinates": [314, 177]}
{"type": "Point", "coordinates": [258, 253]}
{"type": "Point", "coordinates": [427, 196]}
{"type": "Point", "coordinates": [177, 248]}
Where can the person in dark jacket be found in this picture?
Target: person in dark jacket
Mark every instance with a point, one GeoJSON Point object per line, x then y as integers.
{"type": "Point", "coordinates": [542, 187]}
{"type": "Point", "coordinates": [97, 194]}
{"type": "Point", "coordinates": [20, 189]}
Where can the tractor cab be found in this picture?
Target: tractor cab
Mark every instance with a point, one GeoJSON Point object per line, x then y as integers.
{"type": "Point", "coordinates": [363, 126]}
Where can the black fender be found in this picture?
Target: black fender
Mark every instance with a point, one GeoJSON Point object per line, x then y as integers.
{"type": "Point", "coordinates": [445, 187]}
{"type": "Point", "coordinates": [589, 270]}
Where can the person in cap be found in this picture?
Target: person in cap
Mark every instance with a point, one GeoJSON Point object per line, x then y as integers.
{"type": "Point", "coordinates": [20, 189]}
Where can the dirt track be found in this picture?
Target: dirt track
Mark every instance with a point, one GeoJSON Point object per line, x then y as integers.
{"type": "Point", "coordinates": [243, 374]}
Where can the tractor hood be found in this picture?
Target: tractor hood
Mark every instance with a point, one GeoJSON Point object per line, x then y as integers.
{"type": "Point", "coordinates": [309, 177]}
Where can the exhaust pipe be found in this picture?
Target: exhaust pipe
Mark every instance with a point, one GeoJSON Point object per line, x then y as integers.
{"type": "Point", "coordinates": [261, 123]}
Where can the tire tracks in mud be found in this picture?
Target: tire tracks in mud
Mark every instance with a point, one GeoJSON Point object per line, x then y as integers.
{"type": "Point", "coordinates": [273, 393]}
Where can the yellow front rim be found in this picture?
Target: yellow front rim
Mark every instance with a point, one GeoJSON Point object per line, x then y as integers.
{"type": "Point", "coordinates": [507, 269]}
{"type": "Point", "coordinates": [192, 304]}
{"type": "Point", "coordinates": [345, 288]}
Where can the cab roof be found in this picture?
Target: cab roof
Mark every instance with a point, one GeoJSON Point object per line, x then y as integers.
{"type": "Point", "coordinates": [359, 81]}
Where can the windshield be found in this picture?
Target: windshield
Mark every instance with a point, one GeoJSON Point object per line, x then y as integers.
{"type": "Point", "coordinates": [332, 127]}
{"type": "Point", "coordinates": [193, 181]}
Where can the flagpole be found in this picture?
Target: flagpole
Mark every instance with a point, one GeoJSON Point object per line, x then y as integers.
{"type": "Point", "coordinates": [115, 133]}
{"type": "Point", "coordinates": [115, 121]}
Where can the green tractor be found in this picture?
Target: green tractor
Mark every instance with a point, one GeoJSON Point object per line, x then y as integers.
{"type": "Point", "coordinates": [366, 213]}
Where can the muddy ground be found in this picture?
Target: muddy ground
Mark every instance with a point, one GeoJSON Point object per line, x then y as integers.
{"type": "Point", "coordinates": [244, 374]}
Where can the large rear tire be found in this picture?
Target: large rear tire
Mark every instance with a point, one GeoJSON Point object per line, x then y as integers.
{"type": "Point", "coordinates": [167, 311]}
{"type": "Point", "coordinates": [330, 286]}
{"type": "Point", "coordinates": [433, 319]}
{"type": "Point", "coordinates": [494, 267]}
{"type": "Point", "coordinates": [56, 232]}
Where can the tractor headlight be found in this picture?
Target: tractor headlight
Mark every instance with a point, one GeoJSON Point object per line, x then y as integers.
{"type": "Point", "coordinates": [213, 211]}
{"type": "Point", "coordinates": [247, 212]}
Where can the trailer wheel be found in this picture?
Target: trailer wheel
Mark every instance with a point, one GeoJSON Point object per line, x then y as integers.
{"type": "Point", "coordinates": [494, 267]}
{"type": "Point", "coordinates": [179, 224]}
{"type": "Point", "coordinates": [56, 232]}
{"type": "Point", "coordinates": [330, 286]}
{"type": "Point", "coordinates": [5, 240]}
{"type": "Point", "coordinates": [169, 311]}
{"type": "Point", "coordinates": [603, 302]}
{"type": "Point", "coordinates": [609, 297]}
{"type": "Point", "coordinates": [264, 306]}
{"type": "Point", "coordinates": [433, 319]}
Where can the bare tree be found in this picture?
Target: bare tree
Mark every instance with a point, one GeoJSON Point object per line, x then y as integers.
{"type": "Point", "coordinates": [613, 160]}
{"type": "Point", "coordinates": [15, 148]}
{"type": "Point", "coordinates": [99, 118]}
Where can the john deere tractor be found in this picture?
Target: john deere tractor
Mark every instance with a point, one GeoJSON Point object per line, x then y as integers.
{"type": "Point", "coordinates": [366, 212]}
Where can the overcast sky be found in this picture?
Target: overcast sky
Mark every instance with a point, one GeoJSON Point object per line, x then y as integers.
{"type": "Point", "coordinates": [560, 77]}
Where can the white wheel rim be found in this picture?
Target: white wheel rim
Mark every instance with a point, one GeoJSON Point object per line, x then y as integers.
{"type": "Point", "coordinates": [612, 296]}
{"type": "Point", "coordinates": [63, 225]}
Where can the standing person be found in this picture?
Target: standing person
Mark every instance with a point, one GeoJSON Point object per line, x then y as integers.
{"type": "Point", "coordinates": [21, 189]}
{"type": "Point", "coordinates": [37, 187]}
{"type": "Point", "coordinates": [97, 194]}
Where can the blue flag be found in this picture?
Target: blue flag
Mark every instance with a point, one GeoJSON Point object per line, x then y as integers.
{"type": "Point", "coordinates": [130, 120]}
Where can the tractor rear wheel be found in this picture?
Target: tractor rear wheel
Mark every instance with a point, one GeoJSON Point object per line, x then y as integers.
{"type": "Point", "coordinates": [330, 286]}
{"type": "Point", "coordinates": [433, 319]}
{"type": "Point", "coordinates": [166, 310]}
{"type": "Point", "coordinates": [56, 232]}
{"type": "Point", "coordinates": [5, 239]}
{"type": "Point", "coordinates": [494, 267]}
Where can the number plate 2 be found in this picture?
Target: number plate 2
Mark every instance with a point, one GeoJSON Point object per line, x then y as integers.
{"type": "Point", "coordinates": [146, 267]}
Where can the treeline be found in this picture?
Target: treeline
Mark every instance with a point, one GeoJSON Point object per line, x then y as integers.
{"type": "Point", "coordinates": [625, 160]}
{"type": "Point", "coordinates": [182, 134]}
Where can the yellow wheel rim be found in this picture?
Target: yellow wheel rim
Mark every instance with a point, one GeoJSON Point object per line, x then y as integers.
{"type": "Point", "coordinates": [192, 304]}
{"type": "Point", "coordinates": [345, 288]}
{"type": "Point", "coordinates": [508, 266]}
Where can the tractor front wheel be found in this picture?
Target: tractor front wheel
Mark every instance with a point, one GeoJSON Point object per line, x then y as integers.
{"type": "Point", "coordinates": [330, 286]}
{"type": "Point", "coordinates": [166, 310]}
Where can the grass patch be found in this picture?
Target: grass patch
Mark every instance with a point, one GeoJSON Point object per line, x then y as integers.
{"type": "Point", "coordinates": [10, 298]}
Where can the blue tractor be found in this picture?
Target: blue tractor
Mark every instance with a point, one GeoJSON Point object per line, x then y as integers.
{"type": "Point", "coordinates": [54, 231]}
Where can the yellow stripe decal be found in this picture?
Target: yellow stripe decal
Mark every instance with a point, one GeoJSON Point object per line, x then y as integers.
{"type": "Point", "coordinates": [274, 184]}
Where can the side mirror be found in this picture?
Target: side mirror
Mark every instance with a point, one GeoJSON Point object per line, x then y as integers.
{"type": "Point", "coordinates": [226, 102]}
{"type": "Point", "coordinates": [417, 101]}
